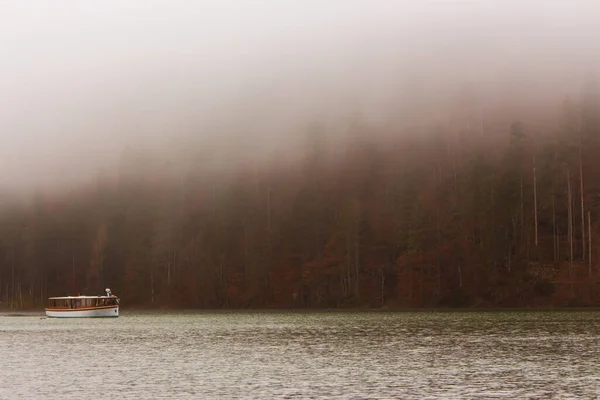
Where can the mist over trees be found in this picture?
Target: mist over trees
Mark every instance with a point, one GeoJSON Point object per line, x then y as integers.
{"type": "Point", "coordinates": [471, 213]}
{"type": "Point", "coordinates": [226, 154]}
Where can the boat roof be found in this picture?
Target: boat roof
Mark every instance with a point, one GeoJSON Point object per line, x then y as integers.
{"type": "Point", "coordinates": [81, 297]}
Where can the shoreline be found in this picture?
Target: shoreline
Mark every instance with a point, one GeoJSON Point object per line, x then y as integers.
{"type": "Point", "coordinates": [145, 310]}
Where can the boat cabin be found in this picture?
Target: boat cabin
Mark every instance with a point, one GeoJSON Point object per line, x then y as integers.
{"type": "Point", "coordinates": [75, 302]}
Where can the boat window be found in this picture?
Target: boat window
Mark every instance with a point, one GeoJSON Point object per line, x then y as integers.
{"type": "Point", "coordinates": [73, 303]}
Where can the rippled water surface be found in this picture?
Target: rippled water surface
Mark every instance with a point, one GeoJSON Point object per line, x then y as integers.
{"type": "Point", "coordinates": [303, 355]}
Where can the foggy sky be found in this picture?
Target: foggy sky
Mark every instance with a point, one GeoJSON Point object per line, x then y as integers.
{"type": "Point", "coordinates": [81, 80]}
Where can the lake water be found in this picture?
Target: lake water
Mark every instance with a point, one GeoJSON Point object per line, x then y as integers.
{"type": "Point", "coordinates": [433, 355]}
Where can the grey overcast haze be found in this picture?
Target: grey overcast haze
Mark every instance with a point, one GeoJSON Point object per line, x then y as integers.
{"type": "Point", "coordinates": [82, 80]}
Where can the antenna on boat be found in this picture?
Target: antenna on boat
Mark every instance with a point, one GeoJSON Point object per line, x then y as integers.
{"type": "Point", "coordinates": [108, 292]}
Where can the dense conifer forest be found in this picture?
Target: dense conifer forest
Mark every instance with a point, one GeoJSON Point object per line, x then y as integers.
{"type": "Point", "coordinates": [484, 211]}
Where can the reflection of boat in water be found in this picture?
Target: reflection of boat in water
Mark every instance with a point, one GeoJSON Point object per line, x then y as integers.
{"type": "Point", "coordinates": [83, 306]}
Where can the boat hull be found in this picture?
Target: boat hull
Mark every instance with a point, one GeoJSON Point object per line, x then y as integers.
{"type": "Point", "coordinates": [93, 312]}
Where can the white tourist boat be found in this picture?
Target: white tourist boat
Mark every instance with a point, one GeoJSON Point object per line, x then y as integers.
{"type": "Point", "coordinates": [83, 306]}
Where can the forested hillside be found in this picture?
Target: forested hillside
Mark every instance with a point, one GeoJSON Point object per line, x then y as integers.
{"type": "Point", "coordinates": [484, 212]}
